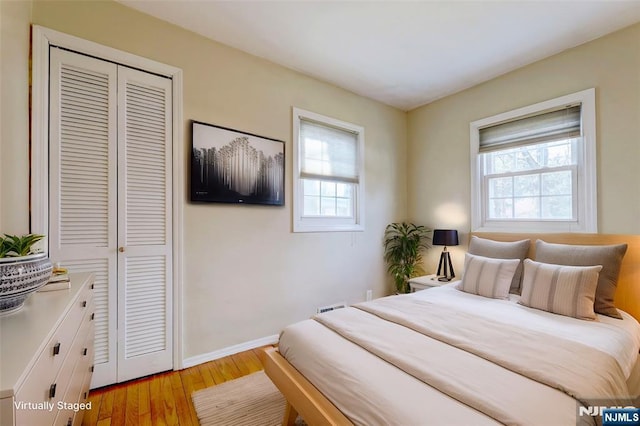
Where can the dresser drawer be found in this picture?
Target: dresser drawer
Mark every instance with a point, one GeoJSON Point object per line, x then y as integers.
{"type": "Point", "coordinates": [72, 410]}
{"type": "Point", "coordinates": [75, 389]}
{"type": "Point", "coordinates": [37, 386]}
{"type": "Point", "coordinates": [48, 380]}
{"type": "Point", "coordinates": [84, 397]}
{"type": "Point", "coordinates": [77, 354]}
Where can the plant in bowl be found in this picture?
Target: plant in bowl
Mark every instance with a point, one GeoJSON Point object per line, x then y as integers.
{"type": "Point", "coordinates": [22, 270]}
{"type": "Point", "coordinates": [15, 246]}
{"type": "Point", "coordinates": [403, 246]}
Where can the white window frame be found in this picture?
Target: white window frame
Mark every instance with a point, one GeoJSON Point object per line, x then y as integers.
{"type": "Point", "coordinates": [586, 192]}
{"type": "Point", "coordinates": [326, 224]}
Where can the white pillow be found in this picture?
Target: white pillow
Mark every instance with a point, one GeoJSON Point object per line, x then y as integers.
{"type": "Point", "coordinates": [561, 289]}
{"type": "Point", "coordinates": [488, 277]}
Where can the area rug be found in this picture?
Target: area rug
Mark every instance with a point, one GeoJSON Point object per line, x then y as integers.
{"type": "Point", "coordinates": [251, 400]}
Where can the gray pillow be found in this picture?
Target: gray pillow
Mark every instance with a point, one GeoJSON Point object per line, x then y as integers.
{"type": "Point", "coordinates": [502, 250]}
{"type": "Point", "coordinates": [610, 257]}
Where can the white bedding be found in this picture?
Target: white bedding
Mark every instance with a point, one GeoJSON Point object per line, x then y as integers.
{"type": "Point", "coordinates": [371, 391]}
{"type": "Point", "coordinates": [619, 338]}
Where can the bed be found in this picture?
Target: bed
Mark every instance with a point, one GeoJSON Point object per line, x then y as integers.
{"type": "Point", "coordinates": [446, 356]}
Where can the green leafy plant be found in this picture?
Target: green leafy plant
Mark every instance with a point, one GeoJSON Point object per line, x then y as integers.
{"type": "Point", "coordinates": [403, 246]}
{"type": "Point", "coordinates": [15, 246]}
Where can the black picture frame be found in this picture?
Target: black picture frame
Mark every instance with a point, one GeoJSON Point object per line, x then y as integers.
{"type": "Point", "coordinates": [232, 166]}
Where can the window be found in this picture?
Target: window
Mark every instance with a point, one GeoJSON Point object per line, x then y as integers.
{"type": "Point", "coordinates": [328, 174]}
{"type": "Point", "coordinates": [533, 169]}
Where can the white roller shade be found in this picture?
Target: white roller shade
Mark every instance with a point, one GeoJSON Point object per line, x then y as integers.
{"type": "Point", "coordinates": [546, 127]}
{"type": "Point", "coordinates": [328, 153]}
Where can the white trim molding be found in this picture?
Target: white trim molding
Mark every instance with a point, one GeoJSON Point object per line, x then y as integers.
{"type": "Point", "coordinates": [42, 40]}
{"type": "Point", "coordinates": [230, 350]}
{"type": "Point", "coordinates": [587, 217]}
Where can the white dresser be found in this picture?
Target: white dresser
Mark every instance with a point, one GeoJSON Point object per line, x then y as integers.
{"type": "Point", "coordinates": [46, 357]}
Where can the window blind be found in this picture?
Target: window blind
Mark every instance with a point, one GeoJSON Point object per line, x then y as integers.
{"type": "Point", "coordinates": [546, 127]}
{"type": "Point", "coordinates": [328, 153]}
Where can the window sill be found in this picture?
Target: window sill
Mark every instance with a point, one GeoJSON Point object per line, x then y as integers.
{"type": "Point", "coordinates": [303, 227]}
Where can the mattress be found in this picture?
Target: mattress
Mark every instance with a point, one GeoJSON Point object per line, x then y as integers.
{"type": "Point", "coordinates": [372, 391]}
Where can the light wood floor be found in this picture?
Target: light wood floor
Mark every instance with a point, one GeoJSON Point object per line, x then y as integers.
{"type": "Point", "coordinates": [164, 399]}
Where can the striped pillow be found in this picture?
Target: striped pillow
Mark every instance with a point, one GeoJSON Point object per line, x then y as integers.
{"type": "Point", "coordinates": [502, 250]}
{"type": "Point", "coordinates": [561, 289]}
{"type": "Point", "coordinates": [488, 277]}
{"type": "Point", "coordinates": [610, 257]}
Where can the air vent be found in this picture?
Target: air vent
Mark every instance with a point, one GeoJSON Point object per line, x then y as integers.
{"type": "Point", "coordinates": [329, 308]}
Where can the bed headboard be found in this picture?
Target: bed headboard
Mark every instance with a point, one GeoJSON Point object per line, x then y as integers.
{"type": "Point", "coordinates": [628, 288]}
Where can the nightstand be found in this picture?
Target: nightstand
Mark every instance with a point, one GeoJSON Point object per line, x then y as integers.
{"type": "Point", "coordinates": [425, 282]}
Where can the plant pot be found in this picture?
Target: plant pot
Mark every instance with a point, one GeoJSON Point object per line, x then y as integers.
{"type": "Point", "coordinates": [21, 276]}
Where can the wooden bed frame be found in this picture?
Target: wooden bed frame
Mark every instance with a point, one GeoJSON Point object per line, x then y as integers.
{"type": "Point", "coordinates": [304, 399]}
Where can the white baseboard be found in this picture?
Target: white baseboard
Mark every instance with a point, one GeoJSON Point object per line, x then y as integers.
{"type": "Point", "coordinates": [230, 350]}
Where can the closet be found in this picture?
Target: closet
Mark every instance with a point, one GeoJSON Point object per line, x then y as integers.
{"type": "Point", "coordinates": [110, 205]}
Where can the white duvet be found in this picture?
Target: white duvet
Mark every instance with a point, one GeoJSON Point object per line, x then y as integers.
{"type": "Point", "coordinates": [618, 338]}
{"type": "Point", "coordinates": [370, 391]}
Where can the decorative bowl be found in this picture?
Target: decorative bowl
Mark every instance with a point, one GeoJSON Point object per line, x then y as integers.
{"type": "Point", "coordinates": [21, 276]}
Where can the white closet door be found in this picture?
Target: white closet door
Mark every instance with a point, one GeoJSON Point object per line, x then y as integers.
{"type": "Point", "coordinates": [110, 205]}
{"type": "Point", "coordinates": [144, 224]}
{"type": "Point", "coordinates": [83, 203]}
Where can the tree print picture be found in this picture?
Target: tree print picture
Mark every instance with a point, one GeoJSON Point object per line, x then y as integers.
{"type": "Point", "coordinates": [230, 166]}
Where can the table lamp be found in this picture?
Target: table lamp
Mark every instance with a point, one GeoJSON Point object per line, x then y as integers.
{"type": "Point", "coordinates": [445, 237]}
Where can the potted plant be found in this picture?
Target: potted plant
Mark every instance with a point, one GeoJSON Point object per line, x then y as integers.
{"type": "Point", "coordinates": [403, 246]}
{"type": "Point", "coordinates": [22, 270]}
{"type": "Point", "coordinates": [14, 246]}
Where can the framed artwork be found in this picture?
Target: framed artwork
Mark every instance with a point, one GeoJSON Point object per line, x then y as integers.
{"type": "Point", "coordinates": [230, 166]}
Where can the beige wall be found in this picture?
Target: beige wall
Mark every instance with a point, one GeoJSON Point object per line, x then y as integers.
{"type": "Point", "coordinates": [14, 116]}
{"type": "Point", "coordinates": [246, 274]}
{"type": "Point", "coordinates": [438, 133]}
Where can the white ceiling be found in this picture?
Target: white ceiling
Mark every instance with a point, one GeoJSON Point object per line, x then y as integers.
{"type": "Point", "coordinates": [401, 53]}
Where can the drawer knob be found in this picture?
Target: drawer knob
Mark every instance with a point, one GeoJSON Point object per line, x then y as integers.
{"type": "Point", "coordinates": [92, 368]}
{"type": "Point", "coordinates": [91, 286]}
{"type": "Point", "coordinates": [56, 349]}
{"type": "Point", "coordinates": [84, 303]}
{"type": "Point", "coordinates": [84, 352]}
{"type": "Point", "coordinates": [92, 316]}
{"type": "Point", "coordinates": [52, 391]}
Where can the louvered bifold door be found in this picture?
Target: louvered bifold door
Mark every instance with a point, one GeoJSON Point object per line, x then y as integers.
{"type": "Point", "coordinates": [144, 224]}
{"type": "Point", "coordinates": [82, 180]}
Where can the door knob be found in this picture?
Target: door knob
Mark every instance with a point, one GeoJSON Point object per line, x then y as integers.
{"type": "Point", "coordinates": [121, 249]}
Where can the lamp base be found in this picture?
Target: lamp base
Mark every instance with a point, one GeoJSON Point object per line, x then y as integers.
{"type": "Point", "coordinates": [445, 266]}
